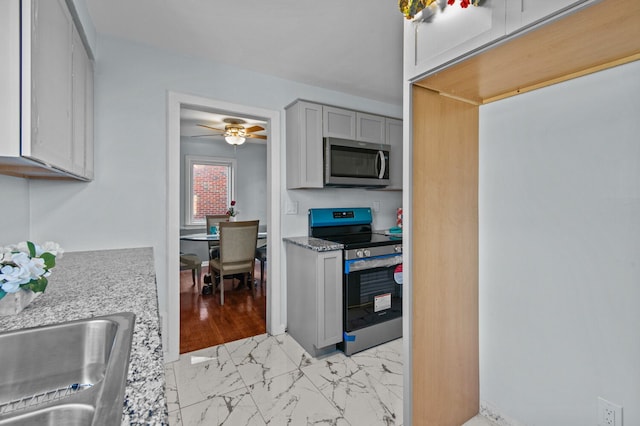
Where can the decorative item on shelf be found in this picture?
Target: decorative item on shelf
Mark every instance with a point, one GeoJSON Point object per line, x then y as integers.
{"type": "Point", "coordinates": [423, 9]}
{"type": "Point", "coordinates": [23, 273]}
{"type": "Point", "coordinates": [232, 212]}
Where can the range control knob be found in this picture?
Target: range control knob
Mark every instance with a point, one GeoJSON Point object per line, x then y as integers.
{"type": "Point", "coordinates": [367, 253]}
{"type": "Point", "coordinates": [398, 249]}
{"type": "Point", "coordinates": [359, 253]}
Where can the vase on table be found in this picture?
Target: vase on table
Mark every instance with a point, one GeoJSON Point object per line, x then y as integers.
{"type": "Point", "coordinates": [13, 303]}
{"type": "Point", "coordinates": [233, 218]}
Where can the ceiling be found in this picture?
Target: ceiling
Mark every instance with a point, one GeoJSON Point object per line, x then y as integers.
{"type": "Point", "coordinates": [352, 46]}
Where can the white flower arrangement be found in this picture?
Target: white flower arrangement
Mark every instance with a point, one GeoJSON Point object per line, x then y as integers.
{"type": "Point", "coordinates": [26, 266]}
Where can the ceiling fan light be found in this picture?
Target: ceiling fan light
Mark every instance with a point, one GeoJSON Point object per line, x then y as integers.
{"type": "Point", "coordinates": [234, 140]}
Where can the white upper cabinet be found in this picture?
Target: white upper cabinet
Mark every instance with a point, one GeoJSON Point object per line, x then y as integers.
{"type": "Point", "coordinates": [54, 94]}
{"type": "Point", "coordinates": [455, 33]}
{"type": "Point", "coordinates": [521, 13]}
{"type": "Point", "coordinates": [450, 34]}
{"type": "Point", "coordinates": [338, 123]}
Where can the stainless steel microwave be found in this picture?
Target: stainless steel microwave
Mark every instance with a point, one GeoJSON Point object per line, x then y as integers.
{"type": "Point", "coordinates": [349, 163]}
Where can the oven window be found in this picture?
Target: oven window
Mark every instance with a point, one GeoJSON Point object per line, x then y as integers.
{"type": "Point", "coordinates": [371, 296]}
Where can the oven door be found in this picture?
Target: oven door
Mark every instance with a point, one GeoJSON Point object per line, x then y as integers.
{"type": "Point", "coordinates": [372, 290]}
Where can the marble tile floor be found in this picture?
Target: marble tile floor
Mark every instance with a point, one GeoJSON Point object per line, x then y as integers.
{"type": "Point", "coordinates": [271, 380]}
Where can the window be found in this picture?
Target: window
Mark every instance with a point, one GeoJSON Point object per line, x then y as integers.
{"type": "Point", "coordinates": [210, 184]}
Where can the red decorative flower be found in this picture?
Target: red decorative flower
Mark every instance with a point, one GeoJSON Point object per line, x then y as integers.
{"type": "Point", "coordinates": [464, 4]}
{"type": "Point", "coordinates": [451, 2]}
{"type": "Point", "coordinates": [233, 202]}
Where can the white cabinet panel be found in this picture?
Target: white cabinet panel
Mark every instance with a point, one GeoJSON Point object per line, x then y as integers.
{"type": "Point", "coordinates": [338, 123]}
{"type": "Point", "coordinates": [370, 128]}
{"type": "Point", "coordinates": [521, 13]}
{"type": "Point", "coordinates": [46, 88]}
{"type": "Point", "coordinates": [51, 62]}
{"type": "Point", "coordinates": [9, 77]}
{"type": "Point", "coordinates": [304, 145]}
{"type": "Point", "coordinates": [393, 129]}
{"type": "Point", "coordinates": [314, 298]}
{"type": "Point", "coordinates": [450, 34]}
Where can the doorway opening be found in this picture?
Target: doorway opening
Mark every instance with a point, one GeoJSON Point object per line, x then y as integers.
{"type": "Point", "coordinates": [219, 176]}
{"type": "Point", "coordinates": [274, 291]}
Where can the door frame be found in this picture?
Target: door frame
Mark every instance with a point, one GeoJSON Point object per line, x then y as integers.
{"type": "Point", "coordinates": [275, 289]}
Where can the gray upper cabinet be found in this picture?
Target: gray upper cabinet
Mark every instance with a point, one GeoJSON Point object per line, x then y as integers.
{"type": "Point", "coordinates": [370, 128]}
{"type": "Point", "coordinates": [304, 145]}
{"type": "Point", "coordinates": [53, 135]}
{"type": "Point", "coordinates": [308, 122]}
{"type": "Point", "coordinates": [338, 123]}
{"type": "Point", "coordinates": [393, 129]}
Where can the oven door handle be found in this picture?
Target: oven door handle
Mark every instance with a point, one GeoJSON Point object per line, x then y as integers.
{"type": "Point", "coordinates": [385, 261]}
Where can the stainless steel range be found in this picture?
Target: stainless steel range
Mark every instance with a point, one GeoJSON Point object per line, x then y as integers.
{"type": "Point", "coordinates": [372, 276]}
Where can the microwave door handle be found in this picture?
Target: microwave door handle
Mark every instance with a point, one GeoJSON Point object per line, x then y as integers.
{"type": "Point", "coordinates": [383, 164]}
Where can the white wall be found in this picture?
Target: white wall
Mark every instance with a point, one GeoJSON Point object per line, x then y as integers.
{"type": "Point", "coordinates": [14, 224]}
{"type": "Point", "coordinates": [125, 205]}
{"type": "Point", "coordinates": [560, 250]}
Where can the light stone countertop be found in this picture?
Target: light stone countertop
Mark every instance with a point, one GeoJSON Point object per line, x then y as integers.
{"type": "Point", "coordinates": [315, 244]}
{"type": "Point", "coordinates": [95, 283]}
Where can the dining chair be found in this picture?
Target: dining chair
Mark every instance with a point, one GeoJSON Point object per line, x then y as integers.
{"type": "Point", "coordinates": [192, 261]}
{"type": "Point", "coordinates": [237, 251]}
{"type": "Point", "coordinates": [214, 220]}
{"type": "Point", "coordinates": [261, 256]}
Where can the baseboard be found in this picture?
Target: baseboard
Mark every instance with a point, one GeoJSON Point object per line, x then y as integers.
{"type": "Point", "coordinates": [492, 413]}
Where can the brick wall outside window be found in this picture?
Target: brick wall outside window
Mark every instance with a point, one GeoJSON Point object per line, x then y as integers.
{"type": "Point", "coordinates": [210, 190]}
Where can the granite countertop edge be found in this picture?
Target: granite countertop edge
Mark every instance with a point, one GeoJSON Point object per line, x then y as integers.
{"type": "Point", "coordinates": [103, 282]}
{"type": "Point", "coordinates": [315, 244]}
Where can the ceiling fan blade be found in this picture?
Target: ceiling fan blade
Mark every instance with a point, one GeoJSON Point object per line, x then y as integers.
{"type": "Point", "coordinates": [256, 136]}
{"type": "Point", "coordinates": [254, 129]}
{"type": "Point", "coordinates": [210, 135]}
{"type": "Point", "coordinates": [212, 128]}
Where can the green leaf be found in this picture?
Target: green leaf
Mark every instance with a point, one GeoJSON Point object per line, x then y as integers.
{"type": "Point", "coordinates": [49, 260]}
{"type": "Point", "coordinates": [32, 249]}
{"type": "Point", "coordinates": [37, 286]}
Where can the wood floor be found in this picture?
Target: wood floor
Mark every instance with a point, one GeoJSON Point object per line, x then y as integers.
{"type": "Point", "coordinates": [204, 323]}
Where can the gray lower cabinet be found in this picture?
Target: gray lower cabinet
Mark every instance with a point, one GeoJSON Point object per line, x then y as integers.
{"type": "Point", "coordinates": [314, 298]}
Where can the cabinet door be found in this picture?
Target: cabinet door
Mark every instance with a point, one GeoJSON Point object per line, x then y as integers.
{"type": "Point", "coordinates": [338, 123]}
{"type": "Point", "coordinates": [329, 298]}
{"type": "Point", "coordinates": [88, 128]}
{"type": "Point", "coordinates": [9, 78]}
{"type": "Point", "coordinates": [51, 44]}
{"type": "Point", "coordinates": [370, 128]}
{"type": "Point", "coordinates": [79, 80]}
{"type": "Point", "coordinates": [394, 138]}
{"type": "Point", "coordinates": [451, 34]}
{"type": "Point", "coordinates": [521, 13]}
{"type": "Point", "coordinates": [304, 145]}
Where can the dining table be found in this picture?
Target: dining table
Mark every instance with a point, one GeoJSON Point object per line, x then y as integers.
{"type": "Point", "coordinates": [211, 237]}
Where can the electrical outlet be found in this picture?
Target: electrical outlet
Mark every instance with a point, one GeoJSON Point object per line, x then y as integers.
{"type": "Point", "coordinates": [609, 414]}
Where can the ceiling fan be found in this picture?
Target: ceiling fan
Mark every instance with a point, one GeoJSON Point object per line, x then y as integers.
{"type": "Point", "coordinates": [234, 132]}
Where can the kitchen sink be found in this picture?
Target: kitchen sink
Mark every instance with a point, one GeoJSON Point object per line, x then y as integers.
{"type": "Point", "coordinates": [72, 373]}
